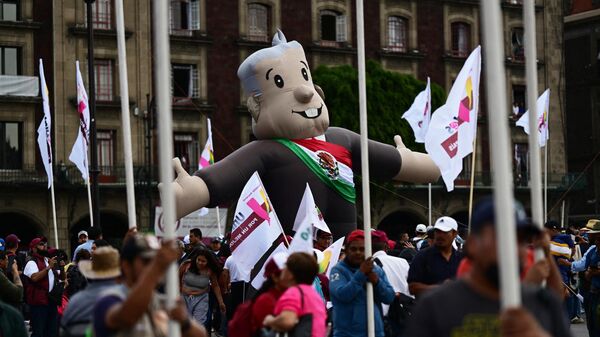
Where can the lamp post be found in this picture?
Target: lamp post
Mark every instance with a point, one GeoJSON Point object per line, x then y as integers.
{"type": "Point", "coordinates": [94, 171]}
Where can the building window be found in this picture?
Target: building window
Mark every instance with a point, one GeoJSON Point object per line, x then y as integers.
{"type": "Point", "coordinates": [184, 17]}
{"type": "Point", "coordinates": [9, 10]}
{"type": "Point", "coordinates": [518, 51]}
{"type": "Point", "coordinates": [102, 14]}
{"type": "Point", "coordinates": [186, 149]}
{"type": "Point", "coordinates": [11, 151]}
{"type": "Point", "coordinates": [104, 80]}
{"type": "Point", "coordinates": [10, 61]}
{"type": "Point", "coordinates": [397, 29]}
{"type": "Point", "coordinates": [521, 165]}
{"type": "Point", "coordinates": [461, 39]}
{"type": "Point", "coordinates": [519, 95]}
{"type": "Point", "coordinates": [333, 28]}
{"type": "Point", "coordinates": [184, 80]}
{"type": "Point", "coordinates": [258, 22]}
{"type": "Point", "coordinates": [106, 151]}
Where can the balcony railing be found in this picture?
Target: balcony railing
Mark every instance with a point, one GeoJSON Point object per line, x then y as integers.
{"type": "Point", "coordinates": [19, 86]}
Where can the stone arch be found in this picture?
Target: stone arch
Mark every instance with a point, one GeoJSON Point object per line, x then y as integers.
{"type": "Point", "coordinates": [400, 221]}
{"type": "Point", "coordinates": [24, 225]}
{"type": "Point", "coordinates": [114, 226]}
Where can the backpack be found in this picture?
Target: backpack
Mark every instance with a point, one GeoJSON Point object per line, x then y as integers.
{"type": "Point", "coordinates": [400, 311]}
{"type": "Point", "coordinates": [240, 324]}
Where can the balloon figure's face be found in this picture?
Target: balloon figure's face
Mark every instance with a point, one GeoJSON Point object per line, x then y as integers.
{"type": "Point", "coordinates": [289, 106]}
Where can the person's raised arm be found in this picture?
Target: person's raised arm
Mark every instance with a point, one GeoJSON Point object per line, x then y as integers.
{"type": "Point", "coordinates": [35, 277]}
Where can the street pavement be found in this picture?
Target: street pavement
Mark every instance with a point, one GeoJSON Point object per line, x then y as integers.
{"type": "Point", "coordinates": [579, 330]}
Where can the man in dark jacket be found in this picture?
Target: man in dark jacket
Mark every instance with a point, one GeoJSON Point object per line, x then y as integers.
{"type": "Point", "coordinates": [348, 294]}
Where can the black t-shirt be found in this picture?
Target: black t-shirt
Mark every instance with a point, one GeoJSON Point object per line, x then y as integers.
{"type": "Point", "coordinates": [456, 310]}
{"type": "Point", "coordinates": [430, 267]}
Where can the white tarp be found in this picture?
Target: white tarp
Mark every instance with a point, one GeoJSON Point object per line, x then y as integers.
{"type": "Point", "coordinates": [19, 86]}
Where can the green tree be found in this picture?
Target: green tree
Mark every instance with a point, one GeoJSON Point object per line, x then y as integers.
{"type": "Point", "coordinates": [389, 95]}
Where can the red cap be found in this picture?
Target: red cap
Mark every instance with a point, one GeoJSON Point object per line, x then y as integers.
{"type": "Point", "coordinates": [379, 236]}
{"type": "Point", "coordinates": [356, 235]}
{"type": "Point", "coordinates": [34, 242]}
{"type": "Point", "coordinates": [12, 239]}
{"type": "Point", "coordinates": [391, 244]}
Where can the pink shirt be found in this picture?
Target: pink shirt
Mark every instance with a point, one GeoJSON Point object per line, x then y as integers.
{"type": "Point", "coordinates": [291, 300]}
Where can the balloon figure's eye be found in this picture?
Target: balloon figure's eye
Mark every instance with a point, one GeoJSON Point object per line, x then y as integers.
{"type": "Point", "coordinates": [305, 74]}
{"type": "Point", "coordinates": [278, 81]}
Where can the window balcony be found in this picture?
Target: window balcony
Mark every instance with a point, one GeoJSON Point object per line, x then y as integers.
{"type": "Point", "coordinates": [24, 86]}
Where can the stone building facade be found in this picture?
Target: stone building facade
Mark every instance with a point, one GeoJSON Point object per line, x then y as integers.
{"type": "Point", "coordinates": [209, 39]}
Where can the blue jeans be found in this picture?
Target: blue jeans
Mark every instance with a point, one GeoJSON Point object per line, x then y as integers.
{"type": "Point", "coordinates": [573, 306]}
{"type": "Point", "coordinates": [44, 320]}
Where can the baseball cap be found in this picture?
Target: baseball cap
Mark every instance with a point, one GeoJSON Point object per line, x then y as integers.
{"type": "Point", "coordinates": [421, 228]}
{"type": "Point", "coordinates": [215, 239]}
{"type": "Point", "coordinates": [12, 239]}
{"type": "Point", "coordinates": [484, 214]}
{"type": "Point", "coordinates": [355, 235]}
{"type": "Point", "coordinates": [379, 236]}
{"type": "Point", "coordinates": [2, 244]}
{"type": "Point", "coordinates": [138, 245]}
{"type": "Point", "coordinates": [446, 224]}
{"type": "Point", "coordinates": [276, 264]}
{"type": "Point", "coordinates": [35, 242]}
{"type": "Point", "coordinates": [82, 233]}
{"type": "Point", "coordinates": [551, 224]}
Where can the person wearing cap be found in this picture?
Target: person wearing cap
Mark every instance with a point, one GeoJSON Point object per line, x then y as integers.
{"type": "Point", "coordinates": [95, 234]}
{"type": "Point", "coordinates": [420, 236]}
{"type": "Point", "coordinates": [437, 263]}
{"type": "Point", "coordinates": [590, 263]}
{"type": "Point", "coordinates": [133, 308]}
{"type": "Point", "coordinates": [322, 240]}
{"type": "Point", "coordinates": [12, 244]}
{"type": "Point", "coordinates": [42, 276]}
{"type": "Point", "coordinates": [11, 290]}
{"type": "Point", "coordinates": [395, 268]}
{"type": "Point", "coordinates": [470, 306]}
{"type": "Point", "coordinates": [101, 273]}
{"type": "Point", "coordinates": [82, 237]}
{"type": "Point", "coordinates": [347, 287]}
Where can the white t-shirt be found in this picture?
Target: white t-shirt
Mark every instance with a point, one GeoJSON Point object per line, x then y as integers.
{"type": "Point", "coordinates": [234, 271]}
{"type": "Point", "coordinates": [396, 271]}
{"type": "Point", "coordinates": [32, 268]}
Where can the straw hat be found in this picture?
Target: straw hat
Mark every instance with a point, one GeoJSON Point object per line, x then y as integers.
{"type": "Point", "coordinates": [104, 264]}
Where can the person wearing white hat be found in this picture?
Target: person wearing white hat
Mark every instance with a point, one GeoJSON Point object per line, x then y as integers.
{"type": "Point", "coordinates": [420, 235]}
{"type": "Point", "coordinates": [438, 263]}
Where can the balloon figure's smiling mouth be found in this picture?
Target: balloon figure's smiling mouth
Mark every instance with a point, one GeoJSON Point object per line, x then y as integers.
{"type": "Point", "coordinates": [310, 113]}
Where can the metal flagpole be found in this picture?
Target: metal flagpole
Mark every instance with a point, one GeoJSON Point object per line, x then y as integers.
{"type": "Point", "coordinates": [535, 175]}
{"type": "Point", "coordinates": [219, 221]}
{"type": "Point", "coordinates": [54, 210]}
{"type": "Point", "coordinates": [429, 197]}
{"type": "Point", "coordinates": [546, 180]}
{"type": "Point", "coordinates": [364, 152]}
{"type": "Point", "coordinates": [499, 148]}
{"type": "Point", "coordinates": [562, 215]}
{"type": "Point", "coordinates": [165, 142]}
{"type": "Point", "coordinates": [472, 179]}
{"type": "Point", "coordinates": [87, 182]}
{"type": "Point", "coordinates": [128, 160]}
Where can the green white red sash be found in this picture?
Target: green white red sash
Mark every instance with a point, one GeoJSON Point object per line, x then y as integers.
{"type": "Point", "coordinates": [331, 163]}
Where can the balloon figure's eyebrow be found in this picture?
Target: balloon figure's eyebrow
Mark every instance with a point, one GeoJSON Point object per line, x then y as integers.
{"type": "Point", "coordinates": [268, 71]}
{"type": "Point", "coordinates": [306, 65]}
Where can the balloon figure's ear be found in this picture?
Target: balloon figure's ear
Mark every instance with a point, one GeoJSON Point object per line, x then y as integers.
{"type": "Point", "coordinates": [253, 105]}
{"type": "Point", "coordinates": [320, 92]}
{"type": "Point", "coordinates": [278, 38]}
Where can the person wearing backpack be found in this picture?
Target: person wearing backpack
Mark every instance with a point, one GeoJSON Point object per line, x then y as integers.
{"type": "Point", "coordinates": [247, 320]}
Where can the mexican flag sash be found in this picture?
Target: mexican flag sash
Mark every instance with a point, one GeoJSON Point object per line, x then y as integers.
{"type": "Point", "coordinates": [331, 163]}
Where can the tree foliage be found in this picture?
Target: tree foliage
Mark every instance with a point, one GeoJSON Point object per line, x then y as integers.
{"type": "Point", "coordinates": [389, 95]}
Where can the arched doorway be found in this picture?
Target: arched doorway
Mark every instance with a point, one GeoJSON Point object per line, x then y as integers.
{"type": "Point", "coordinates": [114, 228]}
{"type": "Point", "coordinates": [400, 222]}
{"type": "Point", "coordinates": [23, 226]}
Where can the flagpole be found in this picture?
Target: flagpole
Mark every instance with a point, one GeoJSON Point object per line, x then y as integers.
{"type": "Point", "coordinates": [54, 212]}
{"type": "Point", "coordinates": [89, 193]}
{"type": "Point", "coordinates": [128, 157]}
{"type": "Point", "coordinates": [472, 179]}
{"type": "Point", "coordinates": [546, 181]}
{"type": "Point", "coordinates": [429, 188]}
{"type": "Point", "coordinates": [499, 147]}
{"type": "Point", "coordinates": [219, 220]}
{"type": "Point", "coordinates": [535, 175]}
{"type": "Point", "coordinates": [287, 244]}
{"type": "Point", "coordinates": [364, 151]}
{"type": "Point", "coordinates": [562, 215]}
{"type": "Point", "coordinates": [162, 64]}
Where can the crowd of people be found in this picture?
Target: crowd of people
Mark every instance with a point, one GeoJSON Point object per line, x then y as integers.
{"type": "Point", "coordinates": [433, 284]}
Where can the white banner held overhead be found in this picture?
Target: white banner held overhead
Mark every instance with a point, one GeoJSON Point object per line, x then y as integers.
{"type": "Point", "coordinates": [206, 223]}
{"type": "Point", "coordinates": [543, 107]}
{"type": "Point", "coordinates": [419, 114]}
{"type": "Point", "coordinates": [79, 152]}
{"type": "Point", "coordinates": [255, 226]}
{"type": "Point", "coordinates": [453, 126]}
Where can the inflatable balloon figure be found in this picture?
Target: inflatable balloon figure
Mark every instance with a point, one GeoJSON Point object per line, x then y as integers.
{"type": "Point", "coordinates": [296, 146]}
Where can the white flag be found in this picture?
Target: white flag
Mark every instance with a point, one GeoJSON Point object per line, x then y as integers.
{"type": "Point", "coordinates": [419, 114]}
{"type": "Point", "coordinates": [79, 153]}
{"type": "Point", "coordinates": [280, 252]}
{"type": "Point", "coordinates": [303, 239]}
{"type": "Point", "coordinates": [255, 226]}
{"type": "Point", "coordinates": [543, 107]}
{"type": "Point", "coordinates": [453, 126]}
{"type": "Point", "coordinates": [331, 256]}
{"type": "Point", "coordinates": [44, 134]}
{"type": "Point", "coordinates": [206, 157]}
{"type": "Point", "coordinates": [309, 212]}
